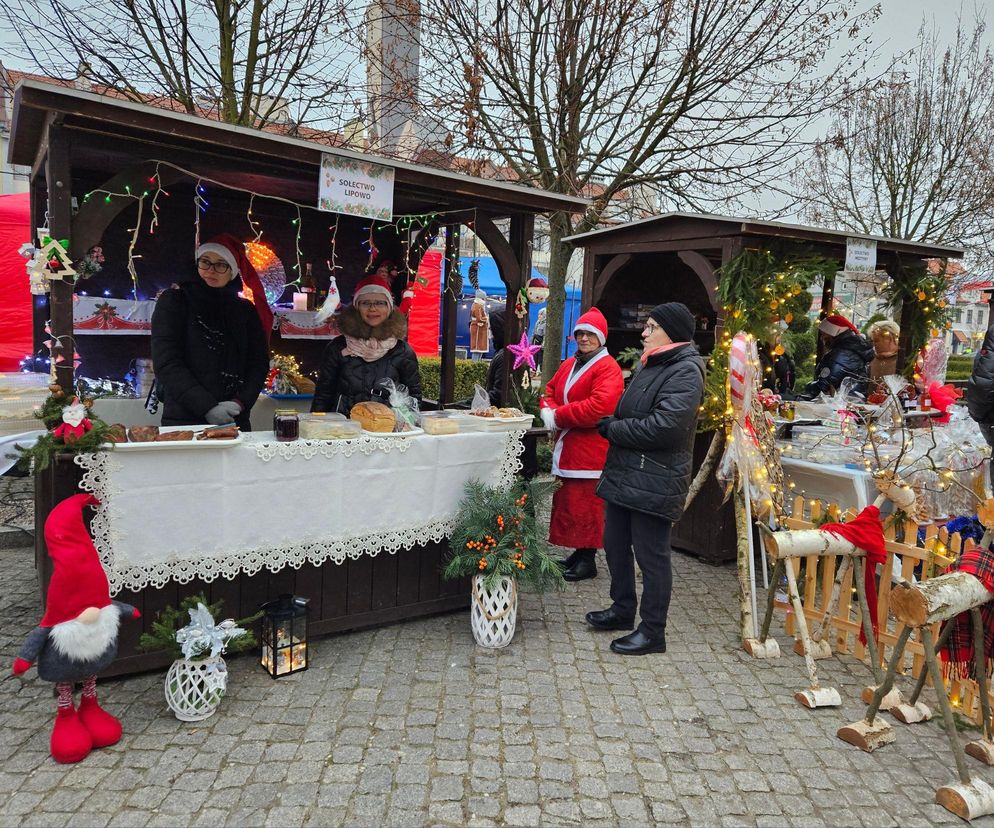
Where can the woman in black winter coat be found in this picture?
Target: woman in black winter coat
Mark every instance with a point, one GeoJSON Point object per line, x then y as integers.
{"type": "Point", "coordinates": [848, 357]}
{"type": "Point", "coordinates": [209, 346]}
{"type": "Point", "coordinates": [646, 477]}
{"type": "Point", "coordinates": [371, 349]}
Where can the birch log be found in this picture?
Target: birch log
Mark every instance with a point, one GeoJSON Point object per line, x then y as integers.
{"type": "Point", "coordinates": [807, 543]}
{"type": "Point", "coordinates": [742, 529]}
{"type": "Point", "coordinates": [937, 599]}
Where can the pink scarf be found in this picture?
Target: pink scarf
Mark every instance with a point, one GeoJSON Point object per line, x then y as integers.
{"type": "Point", "coordinates": [369, 350]}
{"type": "Point", "coordinates": [660, 350]}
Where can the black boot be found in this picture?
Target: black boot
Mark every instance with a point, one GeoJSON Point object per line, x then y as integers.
{"type": "Point", "coordinates": [584, 566]}
{"type": "Point", "coordinates": [568, 561]}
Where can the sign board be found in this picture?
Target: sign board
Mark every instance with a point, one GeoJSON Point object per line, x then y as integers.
{"type": "Point", "coordinates": [861, 256]}
{"type": "Point", "coordinates": [355, 188]}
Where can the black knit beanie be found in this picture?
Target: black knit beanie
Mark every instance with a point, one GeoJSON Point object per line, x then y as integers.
{"type": "Point", "coordinates": [676, 320]}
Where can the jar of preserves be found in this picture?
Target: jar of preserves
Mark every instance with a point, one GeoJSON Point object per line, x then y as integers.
{"type": "Point", "coordinates": [286, 425]}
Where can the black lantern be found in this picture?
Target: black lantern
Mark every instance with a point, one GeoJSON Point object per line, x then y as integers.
{"type": "Point", "coordinates": [284, 635]}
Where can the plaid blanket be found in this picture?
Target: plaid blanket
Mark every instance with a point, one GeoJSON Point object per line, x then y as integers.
{"type": "Point", "coordinates": [957, 654]}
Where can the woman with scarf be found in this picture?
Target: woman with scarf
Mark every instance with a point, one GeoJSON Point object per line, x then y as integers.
{"type": "Point", "coordinates": [585, 389]}
{"type": "Point", "coordinates": [210, 347]}
{"type": "Point", "coordinates": [646, 477]}
{"type": "Point", "coordinates": [370, 350]}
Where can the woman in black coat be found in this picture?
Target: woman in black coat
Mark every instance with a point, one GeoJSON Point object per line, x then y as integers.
{"type": "Point", "coordinates": [210, 348]}
{"type": "Point", "coordinates": [848, 356]}
{"type": "Point", "coordinates": [646, 477]}
{"type": "Point", "coordinates": [371, 349]}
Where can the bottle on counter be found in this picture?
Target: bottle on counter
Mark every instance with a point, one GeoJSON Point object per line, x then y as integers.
{"type": "Point", "coordinates": [309, 287]}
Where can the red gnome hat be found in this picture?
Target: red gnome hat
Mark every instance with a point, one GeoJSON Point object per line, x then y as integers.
{"type": "Point", "coordinates": [835, 324]}
{"type": "Point", "coordinates": [240, 264]}
{"type": "Point", "coordinates": [593, 320]}
{"type": "Point", "coordinates": [78, 579]}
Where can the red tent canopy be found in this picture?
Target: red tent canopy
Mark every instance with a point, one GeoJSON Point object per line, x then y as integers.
{"type": "Point", "coordinates": [422, 324]}
{"type": "Point", "coordinates": [15, 298]}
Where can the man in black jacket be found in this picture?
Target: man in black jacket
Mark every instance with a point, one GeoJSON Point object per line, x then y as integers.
{"type": "Point", "coordinates": [848, 355]}
{"type": "Point", "coordinates": [980, 390]}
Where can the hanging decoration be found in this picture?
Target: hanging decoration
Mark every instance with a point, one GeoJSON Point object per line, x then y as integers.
{"type": "Point", "coordinates": [524, 353]}
{"type": "Point", "coordinates": [91, 263]}
{"type": "Point", "coordinates": [270, 269]}
{"type": "Point", "coordinates": [537, 290]}
{"type": "Point", "coordinates": [474, 274]}
{"type": "Point", "coordinates": [521, 304]}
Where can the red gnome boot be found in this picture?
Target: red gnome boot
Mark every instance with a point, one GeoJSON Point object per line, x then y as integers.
{"type": "Point", "coordinates": [104, 729]}
{"type": "Point", "coordinates": [71, 741]}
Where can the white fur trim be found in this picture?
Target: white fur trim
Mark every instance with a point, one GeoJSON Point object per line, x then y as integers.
{"type": "Point", "coordinates": [84, 642]}
{"type": "Point", "coordinates": [222, 251]}
{"type": "Point", "coordinates": [583, 326]}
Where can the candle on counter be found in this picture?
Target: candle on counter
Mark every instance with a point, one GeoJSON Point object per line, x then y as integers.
{"type": "Point", "coordinates": [300, 301]}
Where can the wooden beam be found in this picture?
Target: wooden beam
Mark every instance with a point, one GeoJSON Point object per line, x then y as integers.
{"type": "Point", "coordinates": [522, 234]}
{"type": "Point", "coordinates": [58, 177]}
{"type": "Point", "coordinates": [705, 272]}
{"type": "Point", "coordinates": [447, 368]}
{"type": "Point", "coordinates": [607, 273]}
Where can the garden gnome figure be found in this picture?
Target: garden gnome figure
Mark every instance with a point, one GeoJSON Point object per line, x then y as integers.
{"type": "Point", "coordinates": [479, 327]}
{"type": "Point", "coordinates": [77, 637]}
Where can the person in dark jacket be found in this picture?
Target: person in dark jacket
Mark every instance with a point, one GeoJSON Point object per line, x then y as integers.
{"type": "Point", "coordinates": [848, 355]}
{"type": "Point", "coordinates": [979, 394]}
{"type": "Point", "coordinates": [646, 477]}
{"type": "Point", "coordinates": [778, 366]}
{"type": "Point", "coordinates": [370, 350]}
{"type": "Point", "coordinates": [210, 348]}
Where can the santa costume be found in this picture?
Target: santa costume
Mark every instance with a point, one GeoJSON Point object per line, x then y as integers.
{"type": "Point", "coordinates": [77, 637]}
{"type": "Point", "coordinates": [584, 389]}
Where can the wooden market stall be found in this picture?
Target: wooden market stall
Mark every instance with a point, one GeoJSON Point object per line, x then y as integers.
{"type": "Point", "coordinates": [674, 257]}
{"type": "Point", "coordinates": [145, 183]}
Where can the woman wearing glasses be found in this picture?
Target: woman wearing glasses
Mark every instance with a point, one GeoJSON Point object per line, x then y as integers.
{"type": "Point", "coordinates": [372, 348]}
{"type": "Point", "coordinates": [210, 347]}
{"type": "Point", "coordinates": [646, 477]}
{"type": "Point", "coordinates": [584, 389]}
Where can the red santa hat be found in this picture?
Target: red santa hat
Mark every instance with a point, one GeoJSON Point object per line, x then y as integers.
{"type": "Point", "coordinates": [232, 250]}
{"type": "Point", "coordinates": [594, 322]}
{"type": "Point", "coordinates": [373, 285]}
{"type": "Point", "coordinates": [78, 578]}
{"type": "Point", "coordinates": [537, 282]}
{"type": "Point", "coordinates": [835, 324]}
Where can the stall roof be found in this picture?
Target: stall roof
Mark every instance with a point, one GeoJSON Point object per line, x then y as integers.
{"type": "Point", "coordinates": [678, 225]}
{"type": "Point", "coordinates": [113, 133]}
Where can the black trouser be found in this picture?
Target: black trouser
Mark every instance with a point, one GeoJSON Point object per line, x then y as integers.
{"type": "Point", "coordinates": [626, 530]}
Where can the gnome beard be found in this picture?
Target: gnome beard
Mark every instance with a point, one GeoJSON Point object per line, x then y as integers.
{"type": "Point", "coordinates": [77, 640]}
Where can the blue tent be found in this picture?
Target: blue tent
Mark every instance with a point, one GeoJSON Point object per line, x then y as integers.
{"type": "Point", "coordinates": [491, 284]}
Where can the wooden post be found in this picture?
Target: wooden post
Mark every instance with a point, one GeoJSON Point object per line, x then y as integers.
{"type": "Point", "coordinates": [522, 232]}
{"type": "Point", "coordinates": [58, 177]}
{"type": "Point", "coordinates": [447, 367]}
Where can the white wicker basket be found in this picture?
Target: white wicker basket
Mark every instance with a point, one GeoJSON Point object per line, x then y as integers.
{"type": "Point", "coordinates": [493, 614]}
{"type": "Point", "coordinates": [194, 689]}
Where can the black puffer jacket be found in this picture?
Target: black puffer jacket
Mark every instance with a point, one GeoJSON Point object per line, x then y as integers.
{"type": "Point", "coordinates": [980, 390]}
{"type": "Point", "coordinates": [651, 435]}
{"type": "Point", "coordinates": [208, 346]}
{"type": "Point", "coordinates": [849, 356]}
{"type": "Point", "coordinates": [344, 381]}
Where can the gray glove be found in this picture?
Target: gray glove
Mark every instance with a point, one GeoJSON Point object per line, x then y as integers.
{"type": "Point", "coordinates": [223, 412]}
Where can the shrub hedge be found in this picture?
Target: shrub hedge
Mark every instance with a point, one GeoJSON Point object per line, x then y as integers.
{"type": "Point", "coordinates": [468, 374]}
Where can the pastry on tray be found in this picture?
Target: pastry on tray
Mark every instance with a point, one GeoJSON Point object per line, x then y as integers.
{"type": "Point", "coordinates": [173, 436]}
{"type": "Point", "coordinates": [374, 416]}
{"type": "Point", "coordinates": [143, 434]}
{"type": "Point", "coordinates": [223, 433]}
{"type": "Point", "coordinates": [117, 433]}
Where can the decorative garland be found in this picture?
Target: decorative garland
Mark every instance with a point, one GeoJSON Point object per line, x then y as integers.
{"type": "Point", "coordinates": [757, 289]}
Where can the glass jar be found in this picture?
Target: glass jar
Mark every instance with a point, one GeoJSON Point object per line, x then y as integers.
{"type": "Point", "coordinates": [787, 410]}
{"type": "Point", "coordinates": [286, 425]}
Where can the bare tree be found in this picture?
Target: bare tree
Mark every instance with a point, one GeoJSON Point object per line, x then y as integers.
{"type": "Point", "coordinates": [911, 158]}
{"type": "Point", "coordinates": [247, 62]}
{"type": "Point", "coordinates": [701, 100]}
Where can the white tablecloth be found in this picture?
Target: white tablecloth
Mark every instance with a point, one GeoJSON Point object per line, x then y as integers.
{"type": "Point", "coordinates": [179, 514]}
{"type": "Point", "coordinates": [850, 488]}
{"type": "Point", "coordinates": [132, 412]}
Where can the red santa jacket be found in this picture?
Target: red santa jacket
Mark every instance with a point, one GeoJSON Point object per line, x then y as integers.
{"type": "Point", "coordinates": [580, 401]}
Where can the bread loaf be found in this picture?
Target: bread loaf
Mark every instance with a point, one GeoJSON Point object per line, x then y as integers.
{"type": "Point", "coordinates": [374, 416]}
{"type": "Point", "coordinates": [440, 425]}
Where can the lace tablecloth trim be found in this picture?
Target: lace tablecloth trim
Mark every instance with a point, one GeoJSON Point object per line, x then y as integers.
{"type": "Point", "coordinates": [329, 448]}
{"type": "Point", "coordinates": [98, 476]}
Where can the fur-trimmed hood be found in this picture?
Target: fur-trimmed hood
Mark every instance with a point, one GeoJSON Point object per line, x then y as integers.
{"type": "Point", "coordinates": [351, 324]}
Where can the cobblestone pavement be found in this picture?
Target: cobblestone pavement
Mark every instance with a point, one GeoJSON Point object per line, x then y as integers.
{"type": "Point", "coordinates": [414, 725]}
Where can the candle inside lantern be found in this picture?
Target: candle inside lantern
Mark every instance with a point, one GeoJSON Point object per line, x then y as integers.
{"type": "Point", "coordinates": [300, 301]}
